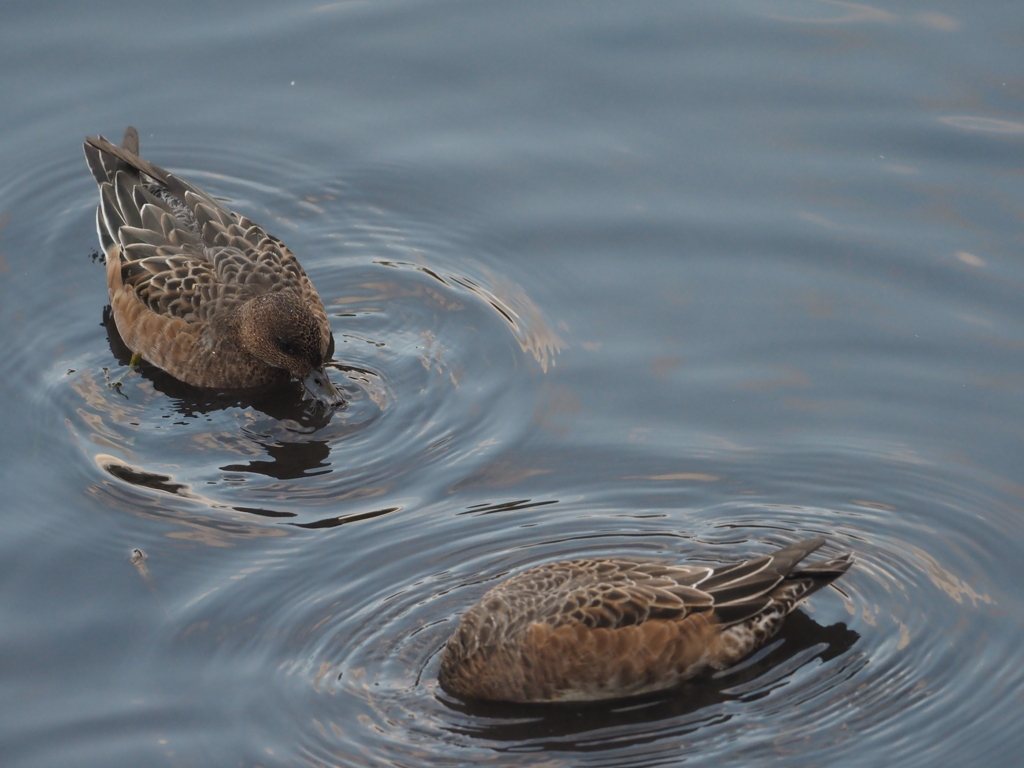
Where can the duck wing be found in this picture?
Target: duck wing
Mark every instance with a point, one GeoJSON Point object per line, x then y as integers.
{"type": "Point", "coordinates": [746, 589]}
{"type": "Point", "coordinates": [606, 593]}
{"type": "Point", "coordinates": [185, 254]}
{"type": "Point", "coordinates": [617, 593]}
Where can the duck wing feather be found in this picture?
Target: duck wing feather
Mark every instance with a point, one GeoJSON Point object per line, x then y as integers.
{"type": "Point", "coordinates": [185, 254]}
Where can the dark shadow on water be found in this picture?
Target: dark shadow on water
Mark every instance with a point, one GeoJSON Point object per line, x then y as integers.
{"type": "Point", "coordinates": [164, 483]}
{"type": "Point", "coordinates": [334, 522]}
{"type": "Point", "coordinates": [144, 479]}
{"type": "Point", "coordinates": [507, 506]}
{"type": "Point", "coordinates": [534, 727]}
{"type": "Point", "coordinates": [290, 460]}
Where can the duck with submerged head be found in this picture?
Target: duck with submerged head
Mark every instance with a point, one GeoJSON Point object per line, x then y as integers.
{"type": "Point", "coordinates": [198, 290]}
{"type": "Point", "coordinates": [588, 630]}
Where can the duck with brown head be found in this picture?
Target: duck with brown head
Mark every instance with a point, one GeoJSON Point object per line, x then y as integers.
{"type": "Point", "coordinates": [198, 290]}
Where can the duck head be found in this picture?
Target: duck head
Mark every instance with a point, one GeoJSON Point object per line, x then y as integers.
{"type": "Point", "coordinates": [279, 329]}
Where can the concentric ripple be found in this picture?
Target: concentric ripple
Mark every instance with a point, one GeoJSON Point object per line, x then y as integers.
{"type": "Point", "coordinates": [344, 556]}
{"type": "Point", "coordinates": [343, 652]}
{"type": "Point", "coordinates": [429, 358]}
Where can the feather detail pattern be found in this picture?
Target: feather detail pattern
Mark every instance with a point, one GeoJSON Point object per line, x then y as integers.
{"type": "Point", "coordinates": [198, 290]}
{"type": "Point", "coordinates": [584, 630]}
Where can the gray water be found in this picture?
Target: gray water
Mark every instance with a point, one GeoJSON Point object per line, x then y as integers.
{"type": "Point", "coordinates": [649, 278]}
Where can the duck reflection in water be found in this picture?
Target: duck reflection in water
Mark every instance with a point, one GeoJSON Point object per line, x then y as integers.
{"type": "Point", "coordinates": [283, 403]}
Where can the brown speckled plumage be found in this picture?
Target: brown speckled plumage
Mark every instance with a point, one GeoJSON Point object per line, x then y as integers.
{"type": "Point", "coordinates": [198, 290]}
{"type": "Point", "coordinates": [584, 630]}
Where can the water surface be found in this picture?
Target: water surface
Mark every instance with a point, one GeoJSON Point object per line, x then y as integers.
{"type": "Point", "coordinates": [638, 279]}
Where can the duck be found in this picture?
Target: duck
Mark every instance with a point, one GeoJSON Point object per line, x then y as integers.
{"type": "Point", "coordinates": [200, 291]}
{"type": "Point", "coordinates": [610, 628]}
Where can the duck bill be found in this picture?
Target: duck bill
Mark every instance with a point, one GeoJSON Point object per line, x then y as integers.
{"type": "Point", "coordinates": [319, 386]}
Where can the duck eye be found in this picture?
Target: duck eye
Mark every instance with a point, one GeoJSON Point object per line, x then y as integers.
{"type": "Point", "coordinates": [286, 346]}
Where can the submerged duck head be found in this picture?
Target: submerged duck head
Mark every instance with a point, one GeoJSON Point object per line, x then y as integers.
{"type": "Point", "coordinates": [280, 330]}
